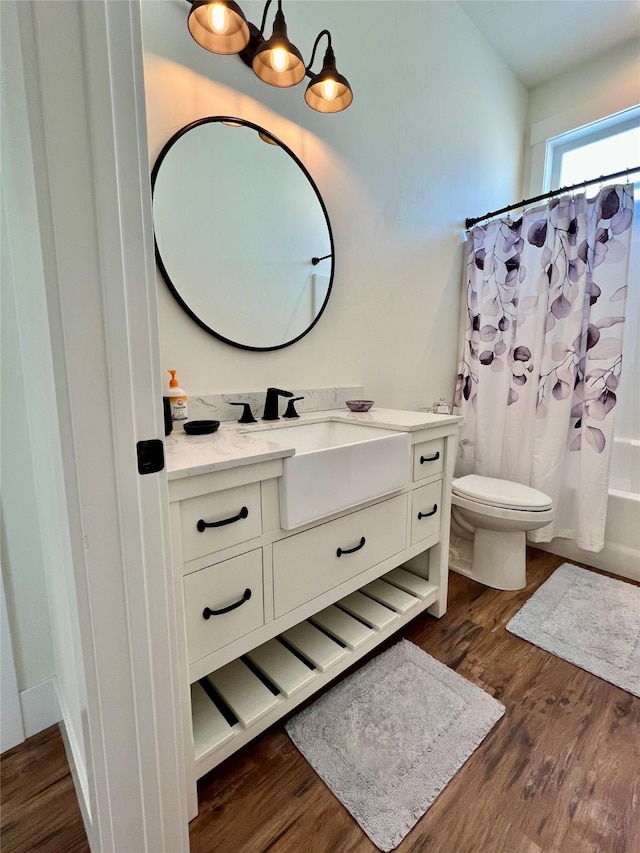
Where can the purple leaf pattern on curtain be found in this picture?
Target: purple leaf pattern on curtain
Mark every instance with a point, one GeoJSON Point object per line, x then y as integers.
{"type": "Point", "coordinates": [543, 315]}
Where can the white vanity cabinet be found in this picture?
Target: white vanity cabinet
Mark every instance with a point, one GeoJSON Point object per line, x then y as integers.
{"type": "Point", "coordinates": [268, 616]}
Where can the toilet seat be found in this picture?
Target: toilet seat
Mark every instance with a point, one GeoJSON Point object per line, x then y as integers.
{"type": "Point", "coordinates": [503, 494]}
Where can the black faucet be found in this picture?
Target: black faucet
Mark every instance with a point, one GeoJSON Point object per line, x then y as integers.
{"type": "Point", "coordinates": [271, 403]}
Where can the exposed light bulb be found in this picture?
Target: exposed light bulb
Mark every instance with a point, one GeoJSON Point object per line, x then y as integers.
{"type": "Point", "coordinates": [279, 59]}
{"type": "Point", "coordinates": [219, 18]}
{"type": "Point", "coordinates": [329, 89]}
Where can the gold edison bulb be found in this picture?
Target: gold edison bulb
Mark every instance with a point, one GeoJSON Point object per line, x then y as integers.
{"type": "Point", "coordinates": [279, 59]}
{"type": "Point", "coordinates": [329, 89]}
{"type": "Point", "coordinates": [218, 18]}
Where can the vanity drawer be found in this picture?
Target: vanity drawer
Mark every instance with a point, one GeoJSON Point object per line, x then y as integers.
{"type": "Point", "coordinates": [428, 458]}
{"type": "Point", "coordinates": [217, 588]}
{"type": "Point", "coordinates": [234, 513]}
{"type": "Point", "coordinates": [310, 563]}
{"type": "Point", "coordinates": [426, 511]}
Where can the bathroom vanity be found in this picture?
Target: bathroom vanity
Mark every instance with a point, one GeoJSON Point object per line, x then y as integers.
{"type": "Point", "coordinates": [271, 609]}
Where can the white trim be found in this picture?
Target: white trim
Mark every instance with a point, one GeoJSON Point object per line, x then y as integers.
{"type": "Point", "coordinates": [80, 782]}
{"type": "Point", "coordinates": [77, 764]}
{"type": "Point", "coordinates": [131, 325]}
{"type": "Point", "coordinates": [40, 707]}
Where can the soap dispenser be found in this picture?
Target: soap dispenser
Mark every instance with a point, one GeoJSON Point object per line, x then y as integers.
{"type": "Point", "coordinates": [177, 399]}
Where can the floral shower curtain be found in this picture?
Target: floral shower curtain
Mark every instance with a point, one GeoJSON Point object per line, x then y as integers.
{"type": "Point", "coordinates": [542, 326]}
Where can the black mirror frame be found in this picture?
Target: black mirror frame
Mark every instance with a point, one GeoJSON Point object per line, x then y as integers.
{"type": "Point", "coordinates": [163, 271]}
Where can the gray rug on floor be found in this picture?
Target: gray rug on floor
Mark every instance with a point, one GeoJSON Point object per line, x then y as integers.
{"type": "Point", "coordinates": [589, 620]}
{"type": "Point", "coordinates": [389, 738]}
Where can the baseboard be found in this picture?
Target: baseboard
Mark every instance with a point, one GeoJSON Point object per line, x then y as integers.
{"type": "Point", "coordinates": [39, 706]}
{"type": "Point", "coordinates": [79, 775]}
{"type": "Point", "coordinates": [617, 559]}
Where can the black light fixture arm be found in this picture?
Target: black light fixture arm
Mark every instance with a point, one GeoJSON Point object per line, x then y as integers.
{"type": "Point", "coordinates": [315, 46]}
{"type": "Point", "coordinates": [264, 15]}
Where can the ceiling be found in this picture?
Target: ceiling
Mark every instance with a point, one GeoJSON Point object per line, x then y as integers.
{"type": "Point", "coordinates": [539, 39]}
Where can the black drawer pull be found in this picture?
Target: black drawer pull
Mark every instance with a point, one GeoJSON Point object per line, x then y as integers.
{"type": "Point", "coordinates": [342, 551]}
{"type": "Point", "coordinates": [207, 613]}
{"type": "Point", "coordinates": [424, 459]}
{"type": "Point", "coordinates": [422, 515]}
{"type": "Point", "coordinates": [202, 525]}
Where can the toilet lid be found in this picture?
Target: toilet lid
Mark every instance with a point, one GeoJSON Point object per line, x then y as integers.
{"type": "Point", "coordinates": [502, 493]}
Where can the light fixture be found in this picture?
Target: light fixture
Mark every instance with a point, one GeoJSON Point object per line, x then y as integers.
{"type": "Point", "coordinates": [277, 61]}
{"type": "Point", "coordinates": [328, 91]}
{"type": "Point", "coordinates": [221, 27]}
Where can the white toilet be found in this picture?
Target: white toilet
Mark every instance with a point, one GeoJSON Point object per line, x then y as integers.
{"type": "Point", "coordinates": [490, 519]}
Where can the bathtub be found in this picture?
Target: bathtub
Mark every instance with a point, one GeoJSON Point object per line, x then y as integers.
{"type": "Point", "coordinates": [624, 478]}
{"type": "Point", "coordinates": [621, 552]}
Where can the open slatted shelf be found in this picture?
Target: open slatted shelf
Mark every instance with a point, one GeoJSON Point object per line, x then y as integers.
{"type": "Point", "coordinates": [238, 701]}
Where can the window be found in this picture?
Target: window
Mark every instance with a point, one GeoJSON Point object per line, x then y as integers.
{"type": "Point", "coordinates": [598, 149]}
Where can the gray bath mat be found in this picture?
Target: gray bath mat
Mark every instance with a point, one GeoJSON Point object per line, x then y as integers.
{"type": "Point", "coordinates": [389, 738]}
{"type": "Point", "coordinates": [589, 620]}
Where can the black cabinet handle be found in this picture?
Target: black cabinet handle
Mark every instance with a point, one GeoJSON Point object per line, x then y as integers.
{"type": "Point", "coordinates": [207, 613]}
{"type": "Point", "coordinates": [202, 525]}
{"type": "Point", "coordinates": [342, 551]}
{"type": "Point", "coordinates": [422, 515]}
{"type": "Point", "coordinates": [424, 459]}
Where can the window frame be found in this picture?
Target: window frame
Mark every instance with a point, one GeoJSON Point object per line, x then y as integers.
{"type": "Point", "coordinates": [559, 145]}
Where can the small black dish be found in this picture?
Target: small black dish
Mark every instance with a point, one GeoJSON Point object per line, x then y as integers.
{"type": "Point", "coordinates": [200, 427]}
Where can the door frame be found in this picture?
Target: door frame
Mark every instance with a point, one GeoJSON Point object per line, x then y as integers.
{"type": "Point", "coordinates": [84, 88]}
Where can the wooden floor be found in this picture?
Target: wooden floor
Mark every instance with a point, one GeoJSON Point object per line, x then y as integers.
{"type": "Point", "coordinates": [559, 773]}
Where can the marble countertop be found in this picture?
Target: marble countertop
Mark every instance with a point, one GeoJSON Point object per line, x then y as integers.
{"type": "Point", "coordinates": [234, 444]}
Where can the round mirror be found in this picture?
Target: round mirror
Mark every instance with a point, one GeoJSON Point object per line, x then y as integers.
{"type": "Point", "coordinates": [242, 235]}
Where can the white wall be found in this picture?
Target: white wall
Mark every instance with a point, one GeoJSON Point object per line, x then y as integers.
{"type": "Point", "coordinates": [434, 134]}
{"type": "Point", "coordinates": [31, 495]}
{"type": "Point", "coordinates": [22, 558]}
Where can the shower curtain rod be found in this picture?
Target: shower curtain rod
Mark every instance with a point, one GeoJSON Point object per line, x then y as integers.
{"type": "Point", "coordinates": [525, 201]}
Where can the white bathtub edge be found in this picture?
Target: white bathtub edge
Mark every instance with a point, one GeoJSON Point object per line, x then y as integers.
{"type": "Point", "coordinates": [614, 558]}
